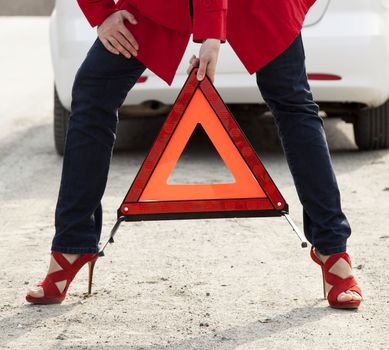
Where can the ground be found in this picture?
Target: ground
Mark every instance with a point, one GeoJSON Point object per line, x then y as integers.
{"type": "Point", "coordinates": [208, 284]}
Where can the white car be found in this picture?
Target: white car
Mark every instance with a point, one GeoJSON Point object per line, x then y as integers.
{"type": "Point", "coordinates": [347, 58]}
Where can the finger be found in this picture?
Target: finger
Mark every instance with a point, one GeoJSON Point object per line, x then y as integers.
{"type": "Point", "coordinates": [202, 69]}
{"type": "Point", "coordinates": [129, 37]}
{"type": "Point", "coordinates": [126, 45]}
{"type": "Point", "coordinates": [129, 17]}
{"type": "Point", "coordinates": [118, 46]}
{"type": "Point", "coordinates": [109, 47]}
{"type": "Point", "coordinates": [193, 63]}
{"type": "Point", "coordinates": [194, 60]}
{"type": "Point", "coordinates": [211, 70]}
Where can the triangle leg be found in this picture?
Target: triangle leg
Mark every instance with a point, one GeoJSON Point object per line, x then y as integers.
{"type": "Point", "coordinates": [112, 234]}
{"type": "Point", "coordinates": [300, 235]}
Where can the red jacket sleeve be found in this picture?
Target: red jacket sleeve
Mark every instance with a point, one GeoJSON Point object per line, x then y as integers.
{"type": "Point", "coordinates": [209, 20]}
{"type": "Point", "coordinates": [96, 11]}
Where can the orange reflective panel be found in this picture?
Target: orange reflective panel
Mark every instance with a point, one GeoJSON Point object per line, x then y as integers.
{"type": "Point", "coordinates": [199, 111]}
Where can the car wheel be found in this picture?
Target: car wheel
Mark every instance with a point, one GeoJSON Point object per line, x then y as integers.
{"type": "Point", "coordinates": [371, 128]}
{"type": "Point", "coordinates": [61, 119]}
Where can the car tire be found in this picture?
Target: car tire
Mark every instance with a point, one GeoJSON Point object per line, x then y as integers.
{"type": "Point", "coordinates": [61, 121]}
{"type": "Point", "coordinates": [371, 128]}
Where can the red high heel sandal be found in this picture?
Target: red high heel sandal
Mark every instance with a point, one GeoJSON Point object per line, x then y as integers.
{"type": "Point", "coordinates": [52, 294]}
{"type": "Point", "coordinates": [339, 285]}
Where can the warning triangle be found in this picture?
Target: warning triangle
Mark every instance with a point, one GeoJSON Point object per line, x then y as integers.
{"type": "Point", "coordinates": [252, 193]}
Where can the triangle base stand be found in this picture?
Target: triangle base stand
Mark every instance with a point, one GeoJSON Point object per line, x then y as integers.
{"type": "Point", "coordinates": [300, 235]}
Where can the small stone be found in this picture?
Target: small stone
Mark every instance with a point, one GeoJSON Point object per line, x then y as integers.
{"type": "Point", "coordinates": [359, 267]}
{"type": "Point", "coordinates": [265, 320]}
{"type": "Point", "coordinates": [26, 282]}
{"type": "Point", "coordinates": [207, 294]}
{"type": "Point", "coordinates": [386, 189]}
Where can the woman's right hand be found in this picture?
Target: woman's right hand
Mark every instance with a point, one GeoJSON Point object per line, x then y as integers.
{"type": "Point", "coordinates": [116, 37]}
{"type": "Point", "coordinates": [208, 57]}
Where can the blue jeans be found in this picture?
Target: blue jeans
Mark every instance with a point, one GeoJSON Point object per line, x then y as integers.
{"type": "Point", "coordinates": [100, 87]}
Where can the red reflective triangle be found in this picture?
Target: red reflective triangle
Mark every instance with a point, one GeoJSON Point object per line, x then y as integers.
{"type": "Point", "coordinates": [252, 194]}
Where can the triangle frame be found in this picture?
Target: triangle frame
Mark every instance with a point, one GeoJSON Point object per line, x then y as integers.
{"type": "Point", "coordinates": [137, 208]}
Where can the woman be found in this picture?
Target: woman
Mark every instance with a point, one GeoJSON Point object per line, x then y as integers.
{"type": "Point", "coordinates": [135, 34]}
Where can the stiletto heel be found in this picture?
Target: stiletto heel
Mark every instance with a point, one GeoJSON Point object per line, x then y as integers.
{"type": "Point", "coordinates": [91, 268]}
{"type": "Point", "coordinates": [339, 285]}
{"type": "Point", "coordinates": [52, 294]}
{"type": "Point", "coordinates": [324, 284]}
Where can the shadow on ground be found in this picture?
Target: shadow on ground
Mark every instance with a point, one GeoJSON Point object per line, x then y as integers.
{"type": "Point", "coordinates": [39, 315]}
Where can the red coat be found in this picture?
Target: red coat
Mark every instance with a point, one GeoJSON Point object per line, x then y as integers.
{"type": "Point", "coordinates": [257, 30]}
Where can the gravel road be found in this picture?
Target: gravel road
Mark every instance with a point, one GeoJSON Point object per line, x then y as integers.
{"type": "Point", "coordinates": [209, 284]}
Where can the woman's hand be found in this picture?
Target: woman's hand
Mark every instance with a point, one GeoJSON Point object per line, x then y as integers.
{"type": "Point", "coordinates": [116, 37]}
{"type": "Point", "coordinates": [208, 56]}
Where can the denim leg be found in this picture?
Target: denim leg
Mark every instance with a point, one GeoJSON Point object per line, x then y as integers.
{"type": "Point", "coordinates": [284, 86]}
{"type": "Point", "coordinates": [100, 87]}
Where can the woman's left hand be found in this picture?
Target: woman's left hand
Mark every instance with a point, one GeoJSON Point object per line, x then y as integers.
{"type": "Point", "coordinates": [208, 56]}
